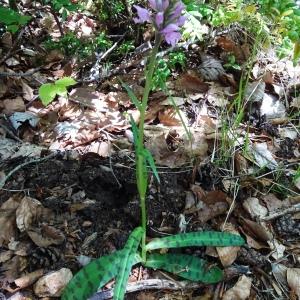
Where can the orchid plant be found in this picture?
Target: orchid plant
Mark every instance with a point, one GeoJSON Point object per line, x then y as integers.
{"type": "Point", "coordinates": [167, 18]}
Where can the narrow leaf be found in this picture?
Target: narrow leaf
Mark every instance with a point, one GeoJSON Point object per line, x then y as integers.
{"type": "Point", "coordinates": [126, 261]}
{"type": "Point", "coordinates": [185, 266]}
{"type": "Point", "coordinates": [131, 95]}
{"type": "Point", "coordinates": [93, 276]}
{"type": "Point", "coordinates": [135, 131]}
{"type": "Point", "coordinates": [148, 156]}
{"type": "Point", "coordinates": [206, 238]}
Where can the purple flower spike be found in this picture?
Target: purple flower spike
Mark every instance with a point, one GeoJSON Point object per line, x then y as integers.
{"type": "Point", "coordinates": [143, 14]}
{"type": "Point", "coordinates": [167, 18]}
{"type": "Point", "coordinates": [159, 19]}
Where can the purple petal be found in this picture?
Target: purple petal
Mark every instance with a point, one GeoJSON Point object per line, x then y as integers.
{"type": "Point", "coordinates": [159, 19]}
{"type": "Point", "coordinates": [152, 4]}
{"type": "Point", "coordinates": [177, 10]}
{"type": "Point", "coordinates": [170, 28]}
{"type": "Point", "coordinates": [143, 14]}
{"type": "Point", "coordinates": [180, 21]}
{"type": "Point", "coordinates": [165, 4]}
{"type": "Point", "coordinates": [172, 37]}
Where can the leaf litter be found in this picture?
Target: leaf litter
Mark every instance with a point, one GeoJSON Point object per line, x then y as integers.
{"type": "Point", "coordinates": [83, 202]}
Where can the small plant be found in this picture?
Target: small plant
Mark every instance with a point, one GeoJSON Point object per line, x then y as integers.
{"type": "Point", "coordinates": [75, 46]}
{"type": "Point", "coordinates": [167, 21]}
{"type": "Point", "coordinates": [126, 47]}
{"type": "Point", "coordinates": [12, 19]}
{"type": "Point", "coordinates": [48, 91]}
{"type": "Point", "coordinates": [61, 6]}
{"type": "Point", "coordinates": [164, 68]}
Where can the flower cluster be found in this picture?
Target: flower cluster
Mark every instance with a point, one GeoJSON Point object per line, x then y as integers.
{"type": "Point", "coordinates": [167, 18]}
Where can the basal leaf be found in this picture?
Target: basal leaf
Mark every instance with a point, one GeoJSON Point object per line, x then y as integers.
{"type": "Point", "coordinates": [65, 81]}
{"type": "Point", "coordinates": [93, 276]}
{"type": "Point", "coordinates": [127, 259]}
{"type": "Point", "coordinates": [205, 238]}
{"type": "Point", "coordinates": [185, 266]}
{"type": "Point", "coordinates": [149, 158]}
{"type": "Point", "coordinates": [131, 95]}
{"type": "Point", "coordinates": [47, 93]}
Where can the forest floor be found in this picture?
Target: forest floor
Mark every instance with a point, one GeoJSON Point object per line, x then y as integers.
{"type": "Point", "coordinates": [67, 170]}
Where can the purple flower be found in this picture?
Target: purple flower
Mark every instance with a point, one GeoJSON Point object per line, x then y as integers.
{"type": "Point", "coordinates": [167, 18]}
{"type": "Point", "coordinates": [143, 14]}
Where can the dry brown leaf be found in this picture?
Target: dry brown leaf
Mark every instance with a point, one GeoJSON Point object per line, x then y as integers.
{"type": "Point", "coordinates": [228, 255]}
{"type": "Point", "coordinates": [13, 268]}
{"type": "Point", "coordinates": [52, 284]}
{"type": "Point", "coordinates": [46, 236]}
{"type": "Point", "coordinates": [6, 255]}
{"type": "Point", "coordinates": [241, 53]}
{"type": "Point", "coordinates": [13, 105]}
{"type": "Point", "coordinates": [27, 91]}
{"type": "Point", "coordinates": [241, 290]}
{"type": "Point", "coordinates": [8, 220]}
{"type": "Point", "coordinates": [213, 197]}
{"type": "Point", "coordinates": [254, 208]}
{"type": "Point", "coordinates": [103, 149]}
{"type": "Point", "coordinates": [216, 96]}
{"type": "Point", "coordinates": [27, 213]}
{"type": "Point", "coordinates": [257, 230]}
{"type": "Point", "coordinates": [241, 163]}
{"type": "Point", "coordinates": [89, 97]}
{"type": "Point", "coordinates": [169, 117]}
{"type": "Point", "coordinates": [28, 279]}
{"type": "Point", "coordinates": [54, 56]}
{"type": "Point", "coordinates": [191, 83]}
{"type": "Point", "coordinates": [293, 279]}
{"type": "Point", "coordinates": [209, 212]}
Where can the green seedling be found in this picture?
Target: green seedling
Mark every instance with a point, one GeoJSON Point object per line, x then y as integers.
{"type": "Point", "coordinates": [12, 19]}
{"type": "Point", "coordinates": [48, 91]}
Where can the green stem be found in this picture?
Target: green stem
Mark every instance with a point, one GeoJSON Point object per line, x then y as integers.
{"type": "Point", "coordinates": [140, 158]}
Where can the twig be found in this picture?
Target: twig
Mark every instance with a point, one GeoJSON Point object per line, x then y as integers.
{"type": "Point", "coordinates": [155, 284]}
{"type": "Point", "coordinates": [293, 209]}
{"type": "Point", "coordinates": [10, 133]}
{"type": "Point", "coordinates": [3, 181]}
{"type": "Point", "coordinates": [13, 74]}
{"type": "Point", "coordinates": [6, 56]}
{"type": "Point", "coordinates": [52, 11]}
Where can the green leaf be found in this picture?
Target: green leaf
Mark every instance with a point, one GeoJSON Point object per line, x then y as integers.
{"type": "Point", "coordinates": [93, 276]}
{"type": "Point", "coordinates": [206, 238]}
{"type": "Point", "coordinates": [131, 95]}
{"type": "Point", "coordinates": [135, 131]}
{"type": "Point", "coordinates": [12, 28]}
{"type": "Point", "coordinates": [65, 81]}
{"type": "Point", "coordinates": [47, 93]}
{"type": "Point", "coordinates": [149, 158]}
{"type": "Point", "coordinates": [128, 257]}
{"type": "Point", "coordinates": [185, 266]}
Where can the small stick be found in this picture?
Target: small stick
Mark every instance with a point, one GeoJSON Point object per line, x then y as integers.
{"type": "Point", "coordinates": [3, 181]}
{"type": "Point", "coordinates": [6, 56]}
{"type": "Point", "coordinates": [155, 284]}
{"type": "Point", "coordinates": [13, 74]}
{"type": "Point", "coordinates": [293, 209]}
